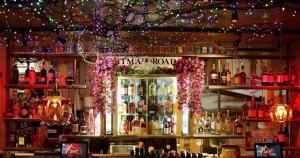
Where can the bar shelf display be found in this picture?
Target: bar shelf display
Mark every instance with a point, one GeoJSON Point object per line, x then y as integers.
{"type": "Point", "coordinates": [34, 86]}
{"type": "Point", "coordinates": [146, 105]}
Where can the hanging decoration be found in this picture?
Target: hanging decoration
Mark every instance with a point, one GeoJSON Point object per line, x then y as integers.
{"type": "Point", "coordinates": [190, 83]}
{"type": "Point", "coordinates": [104, 74]}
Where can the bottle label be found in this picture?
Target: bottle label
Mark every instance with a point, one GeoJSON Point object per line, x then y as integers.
{"type": "Point", "coordinates": [51, 77]}
{"type": "Point", "coordinates": [261, 113]}
{"type": "Point", "coordinates": [279, 78]}
{"type": "Point", "coordinates": [21, 140]}
{"type": "Point", "coordinates": [213, 126]}
{"type": "Point", "coordinates": [239, 130]}
{"type": "Point", "coordinates": [265, 78]}
{"type": "Point", "coordinates": [224, 79]}
{"type": "Point", "coordinates": [136, 130]}
{"type": "Point", "coordinates": [74, 128]}
{"type": "Point", "coordinates": [228, 77]}
{"type": "Point", "coordinates": [286, 78]}
{"type": "Point", "coordinates": [271, 79]}
{"type": "Point", "coordinates": [214, 76]}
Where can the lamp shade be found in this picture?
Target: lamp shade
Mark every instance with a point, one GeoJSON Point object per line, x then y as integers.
{"type": "Point", "coordinates": [281, 113]}
{"type": "Point", "coordinates": [55, 109]}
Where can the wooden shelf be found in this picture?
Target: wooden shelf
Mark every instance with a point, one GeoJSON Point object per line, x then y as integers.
{"type": "Point", "coordinates": [28, 149]}
{"type": "Point", "coordinates": [220, 87]}
{"type": "Point", "coordinates": [43, 55]}
{"type": "Point", "coordinates": [208, 136]}
{"type": "Point", "coordinates": [258, 119]}
{"type": "Point", "coordinates": [23, 119]}
{"type": "Point", "coordinates": [35, 86]}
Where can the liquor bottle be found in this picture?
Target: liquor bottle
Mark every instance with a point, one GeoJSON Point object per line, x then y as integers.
{"type": "Point", "coordinates": [294, 76]}
{"type": "Point", "coordinates": [143, 125]}
{"type": "Point", "coordinates": [237, 78]}
{"type": "Point", "coordinates": [69, 79]}
{"type": "Point", "coordinates": [124, 88]}
{"type": "Point", "coordinates": [245, 107]}
{"type": "Point", "coordinates": [152, 89]}
{"type": "Point", "coordinates": [83, 129]}
{"type": "Point", "coordinates": [12, 135]}
{"type": "Point", "coordinates": [25, 109]}
{"type": "Point", "coordinates": [51, 75]}
{"type": "Point", "coordinates": [91, 122]}
{"type": "Point", "coordinates": [285, 77]}
{"type": "Point", "coordinates": [267, 109]}
{"type": "Point", "coordinates": [218, 124]}
{"type": "Point", "coordinates": [228, 75]}
{"type": "Point", "coordinates": [238, 126]}
{"type": "Point", "coordinates": [227, 124]}
{"type": "Point", "coordinates": [15, 74]}
{"type": "Point", "coordinates": [243, 76]}
{"type": "Point", "coordinates": [126, 126]}
{"type": "Point", "coordinates": [43, 75]}
{"type": "Point", "coordinates": [223, 77]}
{"type": "Point", "coordinates": [261, 109]}
{"type": "Point", "coordinates": [252, 110]}
{"type": "Point", "coordinates": [21, 138]}
{"type": "Point", "coordinates": [27, 73]}
{"type": "Point", "coordinates": [141, 105]}
{"type": "Point", "coordinates": [264, 77]}
{"type": "Point", "coordinates": [200, 126]}
{"type": "Point", "coordinates": [281, 135]}
{"type": "Point", "coordinates": [74, 125]}
{"type": "Point", "coordinates": [131, 88]}
{"type": "Point", "coordinates": [63, 73]}
{"type": "Point", "coordinates": [279, 78]}
{"type": "Point", "coordinates": [206, 124]}
{"type": "Point", "coordinates": [253, 78]}
{"type": "Point", "coordinates": [213, 76]}
{"type": "Point", "coordinates": [136, 125]}
{"type": "Point", "coordinates": [270, 77]}
{"type": "Point", "coordinates": [166, 126]}
{"type": "Point", "coordinates": [248, 134]}
{"type": "Point", "coordinates": [162, 90]}
{"type": "Point", "coordinates": [140, 89]}
{"type": "Point", "coordinates": [32, 76]}
{"type": "Point", "coordinates": [170, 89]}
{"type": "Point", "coordinates": [213, 124]}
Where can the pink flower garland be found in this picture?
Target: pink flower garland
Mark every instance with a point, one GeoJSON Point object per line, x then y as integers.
{"type": "Point", "coordinates": [190, 83]}
{"type": "Point", "coordinates": [104, 76]}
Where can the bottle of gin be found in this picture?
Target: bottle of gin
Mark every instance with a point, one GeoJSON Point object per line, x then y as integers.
{"type": "Point", "coordinates": [218, 124]}
{"type": "Point", "coordinates": [213, 124]}
{"type": "Point", "coordinates": [227, 124]}
{"type": "Point", "coordinates": [206, 124]}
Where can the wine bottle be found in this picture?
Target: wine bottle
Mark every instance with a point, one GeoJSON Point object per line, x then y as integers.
{"type": "Point", "coordinates": [51, 75]}
{"type": "Point", "coordinates": [27, 73]}
{"type": "Point", "coordinates": [15, 74]}
{"type": "Point", "coordinates": [213, 76]}
{"type": "Point", "coordinates": [43, 75]}
{"type": "Point", "coordinates": [228, 75]}
{"type": "Point", "coordinates": [243, 76]}
{"type": "Point", "coordinates": [223, 76]}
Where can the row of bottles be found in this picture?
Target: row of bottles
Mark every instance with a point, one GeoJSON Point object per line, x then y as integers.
{"type": "Point", "coordinates": [257, 109]}
{"type": "Point", "coordinates": [132, 89]}
{"type": "Point", "coordinates": [180, 49]}
{"type": "Point", "coordinates": [218, 125]}
{"type": "Point", "coordinates": [88, 124]}
{"type": "Point", "coordinates": [283, 78]}
{"type": "Point", "coordinates": [42, 77]}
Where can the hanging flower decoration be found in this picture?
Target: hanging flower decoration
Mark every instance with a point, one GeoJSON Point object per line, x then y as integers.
{"type": "Point", "coordinates": [190, 83]}
{"type": "Point", "coordinates": [104, 76]}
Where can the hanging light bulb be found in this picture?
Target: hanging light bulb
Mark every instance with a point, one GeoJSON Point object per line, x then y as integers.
{"type": "Point", "coordinates": [234, 16]}
{"type": "Point", "coordinates": [281, 112]}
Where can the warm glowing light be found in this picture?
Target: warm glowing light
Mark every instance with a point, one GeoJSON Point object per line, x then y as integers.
{"type": "Point", "coordinates": [281, 113]}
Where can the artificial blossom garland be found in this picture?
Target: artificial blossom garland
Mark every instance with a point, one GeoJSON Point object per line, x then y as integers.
{"type": "Point", "coordinates": [104, 74]}
{"type": "Point", "coordinates": [190, 83]}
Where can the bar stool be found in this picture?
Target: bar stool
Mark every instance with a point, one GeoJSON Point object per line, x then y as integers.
{"type": "Point", "coordinates": [214, 143]}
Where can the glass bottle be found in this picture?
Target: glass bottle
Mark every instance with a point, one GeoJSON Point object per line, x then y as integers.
{"type": "Point", "coordinates": [294, 76]}
{"type": "Point", "coordinates": [213, 124]}
{"type": "Point", "coordinates": [252, 110]}
{"type": "Point", "coordinates": [228, 75]}
{"type": "Point", "coordinates": [248, 134]}
{"type": "Point", "coordinates": [91, 122]}
{"type": "Point", "coordinates": [131, 88]}
{"type": "Point", "coordinates": [253, 78]}
{"type": "Point", "coordinates": [162, 90]}
{"type": "Point", "coordinates": [21, 137]}
{"type": "Point", "coordinates": [285, 77]}
{"type": "Point", "coordinates": [223, 76]}
{"type": "Point", "coordinates": [124, 90]}
{"type": "Point", "coordinates": [136, 125]}
{"type": "Point", "coordinates": [243, 76]}
{"type": "Point", "coordinates": [261, 109]}
{"type": "Point", "coordinates": [213, 76]}
{"type": "Point", "coordinates": [227, 124]}
{"type": "Point", "coordinates": [63, 73]}
{"type": "Point", "coordinates": [264, 77]}
{"type": "Point", "coordinates": [237, 78]}
{"type": "Point", "coordinates": [218, 124]}
{"type": "Point", "coordinates": [140, 88]}
{"type": "Point", "coordinates": [245, 107]}
{"type": "Point", "coordinates": [15, 74]}
{"type": "Point", "coordinates": [152, 89]}
{"type": "Point", "coordinates": [170, 89]}
{"type": "Point", "coordinates": [126, 126]}
{"type": "Point", "coordinates": [32, 76]}
{"type": "Point", "coordinates": [51, 75]}
{"type": "Point", "coordinates": [43, 75]}
{"type": "Point", "coordinates": [27, 72]}
{"type": "Point", "coordinates": [271, 77]}
{"type": "Point", "coordinates": [206, 124]}
{"type": "Point", "coordinates": [238, 126]}
{"type": "Point", "coordinates": [74, 125]}
{"type": "Point", "coordinates": [279, 78]}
